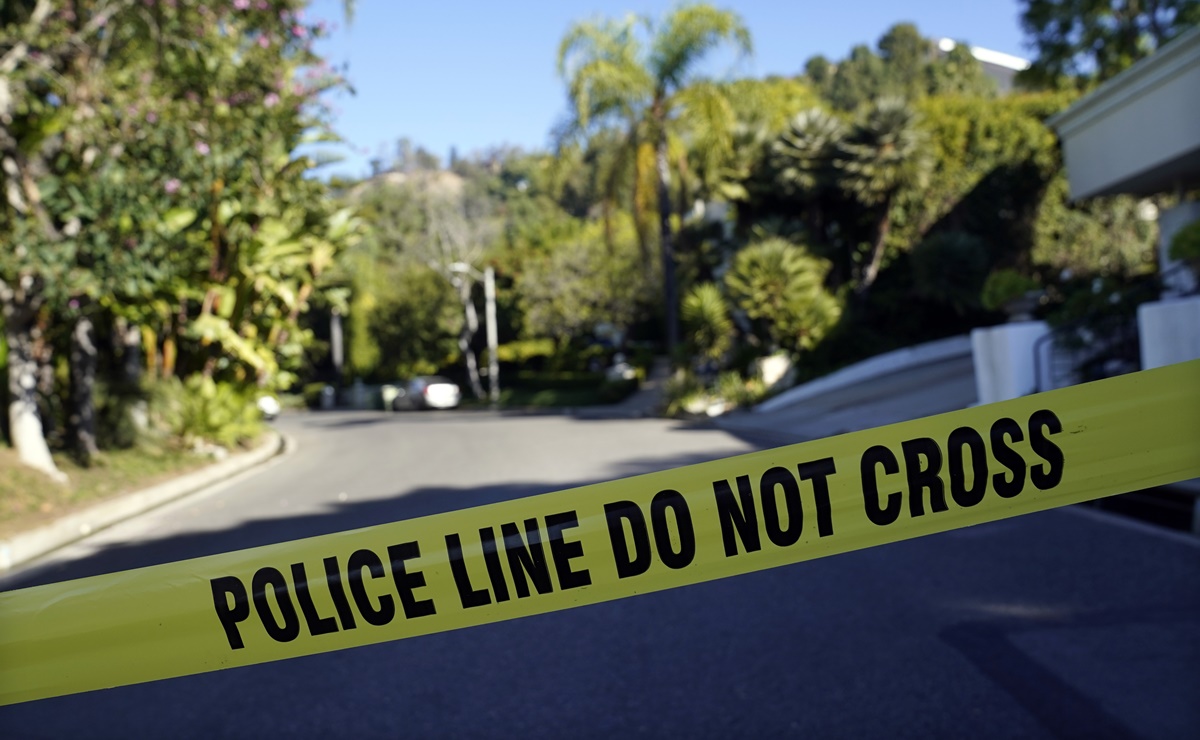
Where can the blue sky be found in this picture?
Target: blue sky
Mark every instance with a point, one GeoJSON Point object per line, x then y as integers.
{"type": "Point", "coordinates": [474, 74]}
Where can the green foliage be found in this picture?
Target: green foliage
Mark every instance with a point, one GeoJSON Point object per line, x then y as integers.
{"type": "Point", "coordinates": [735, 390]}
{"type": "Point", "coordinates": [883, 152]}
{"type": "Point", "coordinates": [1098, 236]}
{"type": "Point", "coordinates": [958, 73]}
{"type": "Point", "coordinates": [681, 391]}
{"type": "Point", "coordinates": [907, 65]}
{"type": "Point", "coordinates": [404, 318]}
{"type": "Point", "coordinates": [311, 393]}
{"type": "Point", "coordinates": [706, 321]}
{"type": "Point", "coordinates": [803, 157]}
{"type": "Point", "coordinates": [523, 351]}
{"type": "Point", "coordinates": [950, 267]}
{"type": "Point", "coordinates": [615, 78]}
{"type": "Point", "coordinates": [905, 54]}
{"type": "Point", "coordinates": [151, 178]}
{"type": "Point", "coordinates": [1004, 285]}
{"type": "Point", "coordinates": [201, 409]}
{"type": "Point", "coordinates": [859, 78]}
{"type": "Point", "coordinates": [585, 281]}
{"type": "Point", "coordinates": [992, 160]}
{"type": "Point", "coordinates": [687, 394]}
{"type": "Point", "coordinates": [1092, 41]}
{"type": "Point", "coordinates": [781, 287]}
{"type": "Point", "coordinates": [1185, 244]}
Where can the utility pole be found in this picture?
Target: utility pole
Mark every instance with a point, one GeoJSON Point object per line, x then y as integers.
{"type": "Point", "coordinates": [489, 294]}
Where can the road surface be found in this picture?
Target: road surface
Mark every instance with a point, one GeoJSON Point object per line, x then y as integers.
{"type": "Point", "coordinates": [1061, 624]}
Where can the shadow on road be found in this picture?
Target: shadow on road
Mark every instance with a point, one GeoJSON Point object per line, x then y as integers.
{"type": "Point", "coordinates": [339, 516]}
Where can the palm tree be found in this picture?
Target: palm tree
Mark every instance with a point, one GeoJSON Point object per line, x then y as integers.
{"type": "Point", "coordinates": [884, 153]}
{"type": "Point", "coordinates": [802, 161]}
{"type": "Point", "coordinates": [614, 78]}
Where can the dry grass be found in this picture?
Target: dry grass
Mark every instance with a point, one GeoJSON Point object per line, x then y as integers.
{"type": "Point", "coordinates": [29, 499]}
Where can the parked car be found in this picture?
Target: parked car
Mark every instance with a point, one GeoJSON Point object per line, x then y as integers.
{"type": "Point", "coordinates": [426, 392]}
{"type": "Point", "coordinates": [269, 407]}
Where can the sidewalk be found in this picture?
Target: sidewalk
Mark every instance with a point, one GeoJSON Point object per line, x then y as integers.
{"type": "Point", "coordinates": [901, 395]}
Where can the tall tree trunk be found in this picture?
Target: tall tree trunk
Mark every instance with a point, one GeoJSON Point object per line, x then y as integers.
{"type": "Point", "coordinates": [129, 377]}
{"type": "Point", "coordinates": [83, 385]}
{"type": "Point", "coordinates": [129, 344]}
{"type": "Point", "coordinates": [470, 327]}
{"type": "Point", "coordinates": [872, 271]}
{"type": "Point", "coordinates": [20, 305]}
{"type": "Point", "coordinates": [667, 242]}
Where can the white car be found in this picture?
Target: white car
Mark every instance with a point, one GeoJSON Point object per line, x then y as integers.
{"type": "Point", "coordinates": [269, 406]}
{"type": "Point", "coordinates": [427, 392]}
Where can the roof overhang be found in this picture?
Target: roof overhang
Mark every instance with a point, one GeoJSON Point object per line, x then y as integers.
{"type": "Point", "coordinates": [1138, 133]}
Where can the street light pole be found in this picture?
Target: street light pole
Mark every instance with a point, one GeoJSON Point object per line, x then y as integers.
{"type": "Point", "coordinates": [489, 294]}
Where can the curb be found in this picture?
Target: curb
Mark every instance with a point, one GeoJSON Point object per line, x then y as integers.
{"type": "Point", "coordinates": [23, 547]}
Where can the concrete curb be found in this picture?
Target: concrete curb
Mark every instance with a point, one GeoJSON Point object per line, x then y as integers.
{"type": "Point", "coordinates": [874, 367]}
{"type": "Point", "coordinates": [26, 546]}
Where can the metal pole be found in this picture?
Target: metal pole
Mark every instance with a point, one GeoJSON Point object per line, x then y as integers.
{"type": "Point", "coordinates": [489, 294]}
{"type": "Point", "coordinates": [335, 342]}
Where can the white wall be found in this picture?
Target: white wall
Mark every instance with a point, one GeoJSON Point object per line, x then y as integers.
{"type": "Point", "coordinates": [1170, 331]}
{"type": "Point", "coordinates": [1004, 365]}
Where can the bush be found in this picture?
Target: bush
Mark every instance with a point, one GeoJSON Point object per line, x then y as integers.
{"type": "Point", "coordinates": [735, 390]}
{"type": "Point", "coordinates": [556, 381]}
{"type": "Point", "coordinates": [706, 319]}
{"type": "Point", "coordinates": [200, 409]}
{"type": "Point", "coordinates": [615, 391]}
{"type": "Point", "coordinates": [522, 351]}
{"type": "Point", "coordinates": [1003, 286]}
{"type": "Point", "coordinates": [116, 405]}
{"type": "Point", "coordinates": [781, 287]}
{"type": "Point", "coordinates": [682, 390]}
{"type": "Point", "coordinates": [1185, 245]}
{"type": "Point", "coordinates": [950, 268]}
{"type": "Point", "coordinates": [312, 394]}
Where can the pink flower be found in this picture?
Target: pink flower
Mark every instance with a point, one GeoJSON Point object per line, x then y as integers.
{"type": "Point", "coordinates": [271, 100]}
{"type": "Point", "coordinates": [241, 4]}
{"type": "Point", "coordinates": [172, 186]}
{"type": "Point", "coordinates": [298, 31]}
{"type": "Point", "coordinates": [202, 148]}
{"type": "Point", "coordinates": [262, 5]}
{"type": "Point", "coordinates": [264, 42]}
{"type": "Point", "coordinates": [151, 117]}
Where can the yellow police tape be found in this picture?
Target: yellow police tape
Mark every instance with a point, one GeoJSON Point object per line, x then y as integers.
{"type": "Point", "coordinates": [602, 542]}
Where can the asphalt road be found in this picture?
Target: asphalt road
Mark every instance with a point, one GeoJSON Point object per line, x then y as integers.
{"type": "Point", "coordinates": [1061, 624]}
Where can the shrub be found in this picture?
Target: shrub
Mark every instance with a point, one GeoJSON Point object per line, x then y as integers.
{"type": "Point", "coordinates": [200, 409]}
{"type": "Point", "coordinates": [614, 391]}
{"type": "Point", "coordinates": [1003, 286]}
{"type": "Point", "coordinates": [1185, 245]}
{"type": "Point", "coordinates": [781, 286]}
{"type": "Point", "coordinates": [950, 268]}
{"type": "Point", "coordinates": [706, 320]}
{"type": "Point", "coordinates": [312, 394]}
{"type": "Point", "coordinates": [680, 391]}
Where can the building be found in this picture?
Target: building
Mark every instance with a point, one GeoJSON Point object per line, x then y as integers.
{"type": "Point", "coordinates": [1139, 134]}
